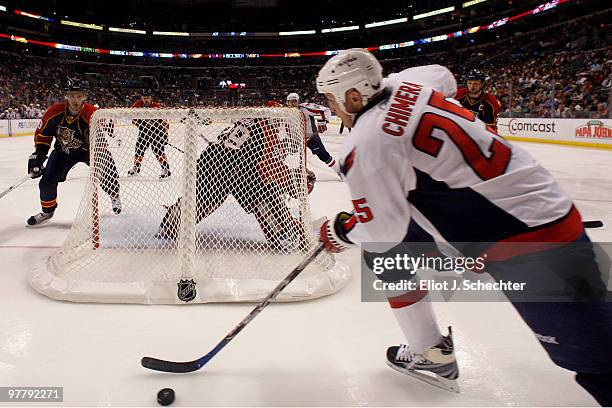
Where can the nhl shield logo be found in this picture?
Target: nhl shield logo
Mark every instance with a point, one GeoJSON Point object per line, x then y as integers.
{"type": "Point", "coordinates": [186, 290]}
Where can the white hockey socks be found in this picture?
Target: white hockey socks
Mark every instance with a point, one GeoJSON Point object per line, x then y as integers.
{"type": "Point", "coordinates": [416, 318]}
{"type": "Point", "coordinates": [334, 165]}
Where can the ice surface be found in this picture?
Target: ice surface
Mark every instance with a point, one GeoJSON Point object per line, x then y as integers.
{"type": "Point", "coordinates": [329, 351]}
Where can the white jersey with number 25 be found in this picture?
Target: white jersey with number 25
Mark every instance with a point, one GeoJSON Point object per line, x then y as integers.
{"type": "Point", "coordinates": [415, 154]}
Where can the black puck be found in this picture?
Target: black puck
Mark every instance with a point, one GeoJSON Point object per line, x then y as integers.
{"type": "Point", "coordinates": [165, 396]}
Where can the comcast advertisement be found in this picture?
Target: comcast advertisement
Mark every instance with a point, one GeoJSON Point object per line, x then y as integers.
{"type": "Point", "coordinates": [588, 132]}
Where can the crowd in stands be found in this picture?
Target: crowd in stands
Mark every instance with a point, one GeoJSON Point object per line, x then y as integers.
{"type": "Point", "coordinates": [31, 111]}
{"type": "Point", "coordinates": [558, 71]}
{"type": "Point", "coordinates": [563, 85]}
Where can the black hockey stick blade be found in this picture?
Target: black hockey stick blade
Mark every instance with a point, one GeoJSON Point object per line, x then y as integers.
{"type": "Point", "coordinates": [170, 366]}
{"type": "Point", "coordinates": [189, 366]}
{"type": "Point", "coordinates": [592, 224]}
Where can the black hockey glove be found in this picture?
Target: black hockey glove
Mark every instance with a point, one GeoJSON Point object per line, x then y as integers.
{"type": "Point", "coordinates": [35, 163]}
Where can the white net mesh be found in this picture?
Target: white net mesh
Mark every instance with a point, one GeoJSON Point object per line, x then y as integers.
{"type": "Point", "coordinates": [212, 206]}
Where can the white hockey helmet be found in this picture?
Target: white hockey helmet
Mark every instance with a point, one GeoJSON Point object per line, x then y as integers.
{"type": "Point", "coordinates": [293, 97]}
{"type": "Point", "coordinates": [353, 68]}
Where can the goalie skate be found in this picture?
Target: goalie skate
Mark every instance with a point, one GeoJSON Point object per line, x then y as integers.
{"type": "Point", "coordinates": [437, 366]}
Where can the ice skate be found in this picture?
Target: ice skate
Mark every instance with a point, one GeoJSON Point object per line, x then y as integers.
{"type": "Point", "coordinates": [134, 170]}
{"type": "Point", "coordinates": [436, 366]}
{"type": "Point", "coordinates": [165, 173]}
{"type": "Point", "coordinates": [39, 218]}
{"type": "Point", "coordinates": [116, 203]}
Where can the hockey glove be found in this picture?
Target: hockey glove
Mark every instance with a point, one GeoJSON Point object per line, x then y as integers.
{"type": "Point", "coordinates": [321, 126]}
{"type": "Point", "coordinates": [333, 235]}
{"type": "Point", "coordinates": [35, 163]}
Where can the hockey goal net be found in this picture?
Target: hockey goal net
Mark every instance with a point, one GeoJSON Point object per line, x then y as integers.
{"type": "Point", "coordinates": [229, 222]}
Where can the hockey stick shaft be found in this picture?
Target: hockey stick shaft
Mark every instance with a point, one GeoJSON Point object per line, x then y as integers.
{"type": "Point", "coordinates": [14, 186]}
{"type": "Point", "coordinates": [177, 148]}
{"type": "Point", "coordinates": [181, 150]}
{"type": "Point", "coordinates": [188, 366]}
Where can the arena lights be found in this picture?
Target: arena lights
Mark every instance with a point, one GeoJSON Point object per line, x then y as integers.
{"type": "Point", "coordinates": [126, 30]}
{"type": "Point", "coordinates": [82, 25]}
{"type": "Point", "coordinates": [338, 29]}
{"type": "Point", "coordinates": [31, 15]}
{"type": "Point", "coordinates": [469, 31]}
{"type": "Point", "coordinates": [386, 22]}
{"type": "Point", "coordinates": [434, 13]}
{"type": "Point", "coordinates": [2, 8]}
{"type": "Point", "coordinates": [14, 38]}
{"type": "Point", "coordinates": [173, 33]}
{"type": "Point", "coordinates": [302, 32]}
{"type": "Point", "coordinates": [230, 34]}
{"type": "Point", "coordinates": [543, 7]}
{"type": "Point", "coordinates": [232, 56]}
{"type": "Point", "coordinates": [54, 45]}
{"type": "Point", "coordinates": [472, 3]}
{"type": "Point", "coordinates": [496, 24]}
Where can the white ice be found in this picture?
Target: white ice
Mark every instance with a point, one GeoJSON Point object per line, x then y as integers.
{"type": "Point", "coordinates": [329, 351]}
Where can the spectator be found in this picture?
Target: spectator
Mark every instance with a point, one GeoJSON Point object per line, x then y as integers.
{"type": "Point", "coordinates": [528, 81]}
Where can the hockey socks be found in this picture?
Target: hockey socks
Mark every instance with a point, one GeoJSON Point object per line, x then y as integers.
{"type": "Point", "coordinates": [334, 165]}
{"type": "Point", "coordinates": [416, 318]}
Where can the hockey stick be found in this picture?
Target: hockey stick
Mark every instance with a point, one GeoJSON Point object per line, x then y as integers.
{"type": "Point", "coordinates": [177, 148]}
{"type": "Point", "coordinates": [189, 366]}
{"type": "Point", "coordinates": [182, 151]}
{"type": "Point", "coordinates": [592, 224]}
{"type": "Point", "coordinates": [14, 186]}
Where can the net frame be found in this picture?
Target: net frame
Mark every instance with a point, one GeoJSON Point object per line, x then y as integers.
{"type": "Point", "coordinates": [194, 263]}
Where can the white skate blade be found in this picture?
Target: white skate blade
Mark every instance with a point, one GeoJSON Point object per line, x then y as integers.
{"type": "Point", "coordinates": [429, 378]}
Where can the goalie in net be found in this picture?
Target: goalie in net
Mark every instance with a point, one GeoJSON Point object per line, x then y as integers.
{"type": "Point", "coordinates": [248, 160]}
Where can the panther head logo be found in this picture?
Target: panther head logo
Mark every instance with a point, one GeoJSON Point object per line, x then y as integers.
{"type": "Point", "coordinates": [66, 137]}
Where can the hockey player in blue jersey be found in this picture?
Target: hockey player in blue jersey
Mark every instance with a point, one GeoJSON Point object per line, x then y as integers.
{"type": "Point", "coordinates": [66, 126]}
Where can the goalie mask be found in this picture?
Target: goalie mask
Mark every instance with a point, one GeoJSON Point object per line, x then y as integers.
{"type": "Point", "coordinates": [355, 68]}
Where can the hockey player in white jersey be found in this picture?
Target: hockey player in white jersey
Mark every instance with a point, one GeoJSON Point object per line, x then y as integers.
{"type": "Point", "coordinates": [419, 165]}
{"type": "Point", "coordinates": [316, 117]}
